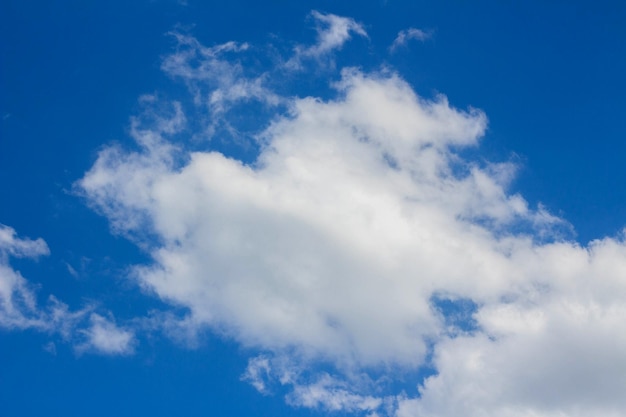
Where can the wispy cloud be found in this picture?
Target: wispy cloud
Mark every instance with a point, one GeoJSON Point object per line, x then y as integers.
{"type": "Point", "coordinates": [201, 67]}
{"type": "Point", "coordinates": [11, 245]}
{"type": "Point", "coordinates": [216, 79]}
{"type": "Point", "coordinates": [258, 373]}
{"type": "Point", "coordinates": [18, 304]}
{"type": "Point", "coordinates": [404, 36]}
{"type": "Point", "coordinates": [20, 310]}
{"type": "Point", "coordinates": [332, 33]}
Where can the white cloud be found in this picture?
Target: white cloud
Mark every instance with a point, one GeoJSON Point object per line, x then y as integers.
{"type": "Point", "coordinates": [318, 390]}
{"type": "Point", "coordinates": [20, 310]}
{"type": "Point", "coordinates": [329, 394]}
{"type": "Point", "coordinates": [404, 36]}
{"type": "Point", "coordinates": [301, 224]}
{"type": "Point", "coordinates": [558, 350]}
{"type": "Point", "coordinates": [330, 247]}
{"type": "Point", "coordinates": [10, 244]}
{"type": "Point", "coordinates": [332, 33]}
{"type": "Point", "coordinates": [105, 337]}
{"type": "Point", "coordinates": [18, 304]}
{"type": "Point", "coordinates": [258, 372]}
{"type": "Point", "coordinates": [214, 75]}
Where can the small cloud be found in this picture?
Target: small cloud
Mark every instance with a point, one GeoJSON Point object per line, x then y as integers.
{"type": "Point", "coordinates": [216, 79]}
{"type": "Point", "coordinates": [10, 244]}
{"type": "Point", "coordinates": [332, 32]}
{"type": "Point", "coordinates": [71, 270]}
{"type": "Point", "coordinates": [257, 373]}
{"type": "Point", "coordinates": [51, 348]}
{"type": "Point", "coordinates": [105, 337]}
{"type": "Point", "coordinates": [404, 36]}
{"type": "Point", "coordinates": [18, 305]}
{"type": "Point", "coordinates": [330, 394]}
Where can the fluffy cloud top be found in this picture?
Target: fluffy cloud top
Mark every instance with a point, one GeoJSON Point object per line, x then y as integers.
{"type": "Point", "coordinates": [332, 247]}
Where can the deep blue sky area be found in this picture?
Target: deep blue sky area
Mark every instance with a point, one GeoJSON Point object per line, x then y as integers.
{"type": "Point", "coordinates": [548, 74]}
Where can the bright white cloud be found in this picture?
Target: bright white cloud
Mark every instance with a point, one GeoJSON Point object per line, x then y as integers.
{"type": "Point", "coordinates": [558, 349]}
{"type": "Point", "coordinates": [303, 222]}
{"type": "Point", "coordinates": [404, 36]}
{"type": "Point", "coordinates": [332, 245]}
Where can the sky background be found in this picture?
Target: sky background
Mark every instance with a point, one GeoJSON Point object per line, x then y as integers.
{"type": "Point", "coordinates": [548, 77]}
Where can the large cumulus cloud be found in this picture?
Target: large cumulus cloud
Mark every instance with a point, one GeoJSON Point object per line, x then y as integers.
{"type": "Point", "coordinates": [334, 245]}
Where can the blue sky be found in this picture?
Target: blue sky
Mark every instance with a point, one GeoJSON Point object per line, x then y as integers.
{"type": "Point", "coordinates": [309, 208]}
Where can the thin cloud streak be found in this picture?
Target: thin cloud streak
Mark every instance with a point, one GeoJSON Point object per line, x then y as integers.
{"type": "Point", "coordinates": [404, 36]}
